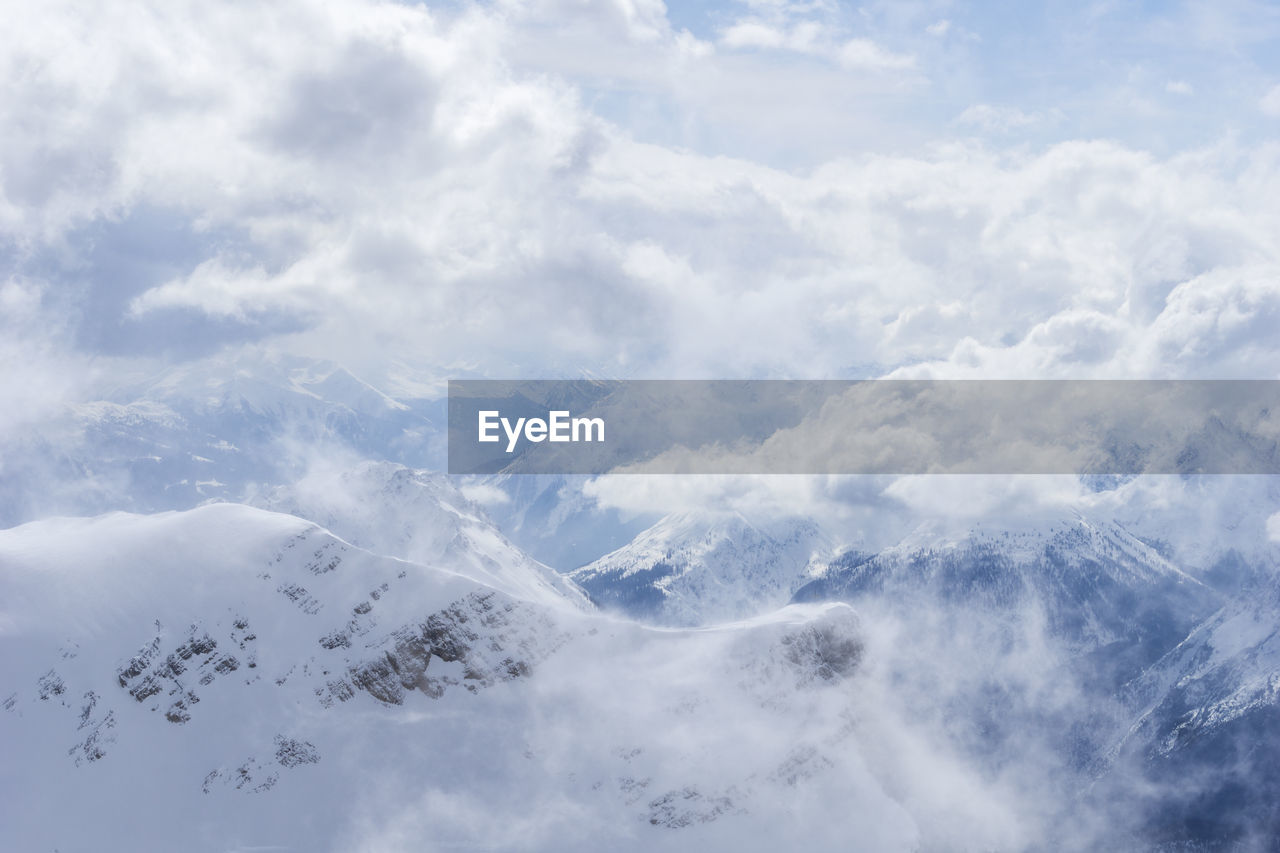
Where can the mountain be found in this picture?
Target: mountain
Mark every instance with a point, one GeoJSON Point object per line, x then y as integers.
{"type": "Point", "coordinates": [418, 516]}
{"type": "Point", "coordinates": [207, 430]}
{"type": "Point", "coordinates": [1097, 589]}
{"type": "Point", "coordinates": [695, 568]}
{"type": "Point", "coordinates": [1207, 732]}
{"type": "Point", "coordinates": [1151, 697]}
{"type": "Point", "coordinates": [232, 678]}
{"type": "Point", "coordinates": [156, 665]}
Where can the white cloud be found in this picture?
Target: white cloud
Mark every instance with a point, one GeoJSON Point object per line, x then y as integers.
{"type": "Point", "coordinates": [485, 494]}
{"type": "Point", "coordinates": [817, 39]}
{"type": "Point", "coordinates": [1179, 87]}
{"type": "Point", "coordinates": [396, 183]}
{"type": "Point", "coordinates": [1270, 102]}
{"type": "Point", "coordinates": [40, 373]}
{"type": "Point", "coordinates": [997, 119]}
{"type": "Point", "coordinates": [866, 54]}
{"type": "Point", "coordinates": [754, 34]}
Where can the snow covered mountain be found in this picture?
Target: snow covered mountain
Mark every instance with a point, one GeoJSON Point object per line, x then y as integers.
{"type": "Point", "coordinates": [1209, 711]}
{"type": "Point", "coordinates": [1153, 694]}
{"type": "Point", "coordinates": [208, 430]}
{"type": "Point", "coordinates": [244, 678]}
{"type": "Point", "coordinates": [230, 678]}
{"type": "Point", "coordinates": [695, 568]}
{"type": "Point", "coordinates": [418, 516]}
{"type": "Point", "coordinates": [166, 665]}
{"type": "Point", "coordinates": [1095, 586]}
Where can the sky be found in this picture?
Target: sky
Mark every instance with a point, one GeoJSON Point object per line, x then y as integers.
{"type": "Point", "coordinates": [622, 189]}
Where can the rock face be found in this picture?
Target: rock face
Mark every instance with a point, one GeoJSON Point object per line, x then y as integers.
{"type": "Point", "coordinates": [489, 637]}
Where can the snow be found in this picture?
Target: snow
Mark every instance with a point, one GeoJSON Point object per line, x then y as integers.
{"type": "Point", "coordinates": [422, 517]}
{"type": "Point", "coordinates": [559, 729]}
{"type": "Point", "coordinates": [694, 568]}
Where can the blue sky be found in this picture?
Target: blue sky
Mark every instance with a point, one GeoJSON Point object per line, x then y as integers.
{"type": "Point", "coordinates": [1162, 76]}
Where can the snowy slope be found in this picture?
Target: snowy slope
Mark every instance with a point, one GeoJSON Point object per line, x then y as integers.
{"type": "Point", "coordinates": [1092, 582]}
{"type": "Point", "coordinates": [695, 568]}
{"type": "Point", "coordinates": [1207, 728]}
{"type": "Point", "coordinates": [1012, 640]}
{"type": "Point", "coordinates": [152, 662]}
{"type": "Point", "coordinates": [1226, 668]}
{"type": "Point", "coordinates": [420, 516]}
{"type": "Point", "coordinates": [230, 678]}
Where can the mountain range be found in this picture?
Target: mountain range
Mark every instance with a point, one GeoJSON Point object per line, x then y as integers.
{"type": "Point", "coordinates": [237, 613]}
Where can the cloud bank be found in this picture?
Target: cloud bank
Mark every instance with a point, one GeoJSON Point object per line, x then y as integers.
{"type": "Point", "coordinates": [416, 192]}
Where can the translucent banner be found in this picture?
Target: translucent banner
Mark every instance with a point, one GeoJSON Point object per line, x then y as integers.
{"type": "Point", "coordinates": [864, 427]}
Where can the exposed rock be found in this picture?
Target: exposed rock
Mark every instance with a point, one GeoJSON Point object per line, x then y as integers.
{"type": "Point", "coordinates": [291, 752]}
{"type": "Point", "coordinates": [676, 809]}
{"type": "Point", "coordinates": [49, 685]}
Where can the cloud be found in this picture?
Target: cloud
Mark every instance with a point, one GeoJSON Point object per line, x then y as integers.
{"type": "Point", "coordinates": [866, 54]}
{"type": "Point", "coordinates": [485, 494]}
{"type": "Point", "coordinates": [40, 374]}
{"type": "Point", "coordinates": [403, 190]}
{"type": "Point", "coordinates": [1270, 102]}
{"type": "Point", "coordinates": [994, 119]}
{"type": "Point", "coordinates": [812, 38]}
{"type": "Point", "coordinates": [758, 34]}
